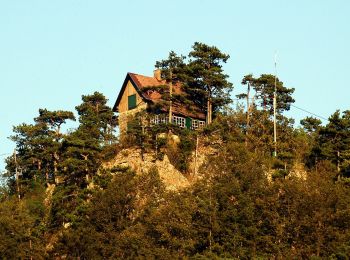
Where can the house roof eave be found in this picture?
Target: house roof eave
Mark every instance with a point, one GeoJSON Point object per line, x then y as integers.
{"type": "Point", "coordinates": [127, 79]}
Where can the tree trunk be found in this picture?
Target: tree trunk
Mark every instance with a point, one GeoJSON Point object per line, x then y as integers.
{"type": "Point", "coordinates": [17, 176]}
{"type": "Point", "coordinates": [47, 176]}
{"type": "Point", "coordinates": [171, 96]}
{"type": "Point", "coordinates": [196, 157]}
{"type": "Point", "coordinates": [39, 169]}
{"type": "Point", "coordinates": [55, 163]}
{"type": "Point", "coordinates": [248, 115]}
{"type": "Point", "coordinates": [209, 110]}
{"type": "Point", "coordinates": [338, 161]}
{"type": "Point", "coordinates": [39, 165]}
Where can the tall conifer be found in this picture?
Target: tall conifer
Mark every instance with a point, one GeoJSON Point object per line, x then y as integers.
{"type": "Point", "coordinates": [206, 81]}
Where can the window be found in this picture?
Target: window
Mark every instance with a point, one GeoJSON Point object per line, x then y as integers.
{"type": "Point", "coordinates": [180, 121]}
{"type": "Point", "coordinates": [201, 124]}
{"type": "Point", "coordinates": [159, 119]}
{"type": "Point", "coordinates": [197, 124]}
{"type": "Point", "coordinates": [194, 124]}
{"type": "Point", "coordinates": [131, 101]}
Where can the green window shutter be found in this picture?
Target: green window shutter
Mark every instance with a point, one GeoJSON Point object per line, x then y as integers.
{"type": "Point", "coordinates": [188, 122]}
{"type": "Point", "coordinates": [131, 101]}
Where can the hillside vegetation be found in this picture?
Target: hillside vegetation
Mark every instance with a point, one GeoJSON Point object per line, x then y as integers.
{"type": "Point", "coordinates": [171, 193]}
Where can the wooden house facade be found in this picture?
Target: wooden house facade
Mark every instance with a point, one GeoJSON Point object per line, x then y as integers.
{"type": "Point", "coordinates": [139, 92]}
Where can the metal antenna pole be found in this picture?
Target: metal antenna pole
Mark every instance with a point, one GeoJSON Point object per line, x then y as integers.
{"type": "Point", "coordinates": [274, 110]}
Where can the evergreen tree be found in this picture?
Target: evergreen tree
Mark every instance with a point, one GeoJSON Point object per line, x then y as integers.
{"type": "Point", "coordinates": [206, 83]}
{"type": "Point", "coordinates": [263, 92]}
{"type": "Point", "coordinates": [30, 160]}
{"type": "Point", "coordinates": [83, 147]}
{"type": "Point", "coordinates": [38, 147]}
{"type": "Point", "coordinates": [82, 155]}
{"type": "Point", "coordinates": [311, 124]}
{"type": "Point", "coordinates": [96, 117]}
{"type": "Point", "coordinates": [333, 142]}
{"type": "Point", "coordinates": [54, 120]}
{"type": "Point", "coordinates": [22, 227]}
{"type": "Point", "coordinates": [249, 81]}
{"type": "Point", "coordinates": [265, 88]}
{"type": "Point", "coordinates": [171, 70]}
{"type": "Point", "coordinates": [311, 128]}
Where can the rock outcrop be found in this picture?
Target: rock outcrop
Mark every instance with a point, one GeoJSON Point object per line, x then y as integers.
{"type": "Point", "coordinates": [131, 158]}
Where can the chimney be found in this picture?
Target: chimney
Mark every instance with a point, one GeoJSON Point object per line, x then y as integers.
{"type": "Point", "coordinates": [158, 74]}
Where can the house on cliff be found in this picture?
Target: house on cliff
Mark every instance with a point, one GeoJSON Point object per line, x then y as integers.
{"type": "Point", "coordinates": [140, 93]}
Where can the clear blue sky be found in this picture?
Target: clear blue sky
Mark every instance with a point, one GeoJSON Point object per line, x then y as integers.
{"type": "Point", "coordinates": [52, 52]}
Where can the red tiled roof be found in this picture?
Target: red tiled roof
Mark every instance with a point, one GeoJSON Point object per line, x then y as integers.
{"type": "Point", "coordinates": [145, 81]}
{"type": "Point", "coordinates": [154, 96]}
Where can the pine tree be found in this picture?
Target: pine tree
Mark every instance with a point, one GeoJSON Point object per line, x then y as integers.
{"type": "Point", "coordinates": [38, 147]}
{"type": "Point", "coordinates": [206, 83]}
{"type": "Point", "coordinates": [311, 124]}
{"type": "Point", "coordinates": [333, 142]}
{"type": "Point", "coordinates": [249, 81]}
{"type": "Point", "coordinates": [171, 70]}
{"type": "Point", "coordinates": [54, 120]}
{"type": "Point", "coordinates": [265, 88]}
{"type": "Point", "coordinates": [83, 147]}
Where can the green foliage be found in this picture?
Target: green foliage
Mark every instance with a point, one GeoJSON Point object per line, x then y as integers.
{"type": "Point", "coordinates": [179, 153]}
{"type": "Point", "coordinates": [83, 148]}
{"type": "Point", "coordinates": [263, 89]}
{"type": "Point", "coordinates": [38, 149]}
{"type": "Point", "coordinates": [311, 124]}
{"type": "Point", "coordinates": [72, 206]}
{"type": "Point", "coordinates": [146, 137]}
{"type": "Point", "coordinates": [205, 81]}
{"type": "Point", "coordinates": [21, 225]}
{"type": "Point", "coordinates": [54, 119]}
{"type": "Point", "coordinates": [125, 197]}
{"type": "Point", "coordinates": [333, 142]}
{"type": "Point", "coordinates": [172, 68]}
{"type": "Point", "coordinates": [67, 203]}
{"type": "Point", "coordinates": [204, 85]}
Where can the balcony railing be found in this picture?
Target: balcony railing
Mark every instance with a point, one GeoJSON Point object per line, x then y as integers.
{"type": "Point", "coordinates": [177, 120]}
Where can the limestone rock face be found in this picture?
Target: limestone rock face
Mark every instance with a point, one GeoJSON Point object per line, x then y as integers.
{"type": "Point", "coordinates": [172, 178]}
